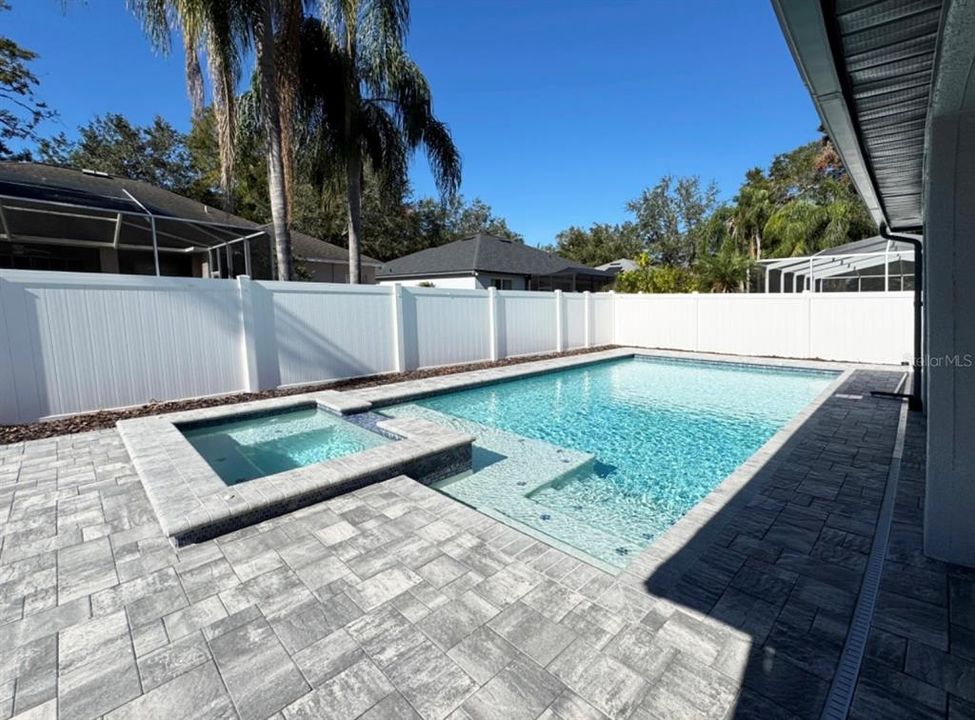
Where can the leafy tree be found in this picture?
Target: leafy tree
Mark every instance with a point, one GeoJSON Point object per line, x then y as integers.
{"type": "Point", "coordinates": [650, 278]}
{"type": "Point", "coordinates": [669, 216]}
{"type": "Point", "coordinates": [600, 244]}
{"type": "Point", "coordinates": [156, 154]}
{"type": "Point", "coordinates": [442, 221]}
{"type": "Point", "coordinates": [806, 203]}
{"type": "Point", "coordinates": [370, 104]}
{"type": "Point", "coordinates": [726, 270]}
{"type": "Point", "coordinates": [21, 111]}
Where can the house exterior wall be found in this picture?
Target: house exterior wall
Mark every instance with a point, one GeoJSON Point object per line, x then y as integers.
{"type": "Point", "coordinates": [337, 272]}
{"type": "Point", "coordinates": [517, 281]}
{"type": "Point", "coordinates": [949, 508]}
{"type": "Point", "coordinates": [460, 282]}
{"type": "Point", "coordinates": [481, 281]}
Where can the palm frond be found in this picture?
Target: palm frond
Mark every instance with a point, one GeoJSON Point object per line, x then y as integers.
{"type": "Point", "coordinates": [382, 144]}
{"type": "Point", "coordinates": [156, 18]}
{"type": "Point", "coordinates": [443, 156]}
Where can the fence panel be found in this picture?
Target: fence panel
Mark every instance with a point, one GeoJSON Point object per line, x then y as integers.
{"type": "Point", "coordinates": [661, 321]}
{"type": "Point", "coordinates": [862, 327]}
{"type": "Point", "coordinates": [528, 322]}
{"type": "Point", "coordinates": [324, 331]}
{"type": "Point", "coordinates": [448, 326]}
{"type": "Point", "coordinates": [79, 342]}
{"type": "Point", "coordinates": [753, 324]}
{"type": "Point", "coordinates": [574, 320]}
{"type": "Point", "coordinates": [603, 332]}
{"type": "Point", "coordinates": [853, 327]}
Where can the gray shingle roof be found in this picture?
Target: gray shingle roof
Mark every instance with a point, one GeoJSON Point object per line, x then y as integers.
{"type": "Point", "coordinates": [485, 253]}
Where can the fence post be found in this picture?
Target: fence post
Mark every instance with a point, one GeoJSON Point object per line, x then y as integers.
{"type": "Point", "coordinates": [399, 341]}
{"type": "Point", "coordinates": [587, 315]}
{"type": "Point", "coordinates": [559, 322]}
{"type": "Point", "coordinates": [697, 320]}
{"type": "Point", "coordinates": [493, 322]}
{"type": "Point", "coordinates": [612, 312]}
{"type": "Point", "coordinates": [248, 335]}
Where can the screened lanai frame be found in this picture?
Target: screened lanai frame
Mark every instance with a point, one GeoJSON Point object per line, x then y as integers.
{"type": "Point", "coordinates": [125, 224]}
{"type": "Point", "coordinates": [811, 272]}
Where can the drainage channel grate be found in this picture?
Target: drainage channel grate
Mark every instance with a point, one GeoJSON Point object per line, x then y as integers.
{"type": "Point", "coordinates": [844, 682]}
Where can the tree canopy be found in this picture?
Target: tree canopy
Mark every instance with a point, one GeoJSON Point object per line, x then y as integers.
{"type": "Point", "coordinates": [21, 110]}
{"type": "Point", "coordinates": [396, 223]}
{"type": "Point", "coordinates": [684, 239]}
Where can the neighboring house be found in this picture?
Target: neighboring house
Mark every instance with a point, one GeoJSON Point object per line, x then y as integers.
{"type": "Point", "coordinates": [325, 262]}
{"type": "Point", "coordinates": [483, 261]}
{"type": "Point", "coordinates": [618, 266]}
{"type": "Point", "coordinates": [57, 218]}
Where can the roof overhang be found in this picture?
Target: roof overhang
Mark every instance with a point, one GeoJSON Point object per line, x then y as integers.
{"type": "Point", "coordinates": [870, 68]}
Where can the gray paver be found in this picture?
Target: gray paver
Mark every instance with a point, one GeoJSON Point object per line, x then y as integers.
{"type": "Point", "coordinates": [343, 697]}
{"type": "Point", "coordinates": [395, 601]}
{"type": "Point", "coordinates": [96, 667]}
{"type": "Point", "coordinates": [194, 695]}
{"type": "Point", "coordinates": [259, 674]}
{"type": "Point", "coordinates": [520, 690]}
{"type": "Point", "coordinates": [604, 682]}
{"type": "Point", "coordinates": [532, 633]}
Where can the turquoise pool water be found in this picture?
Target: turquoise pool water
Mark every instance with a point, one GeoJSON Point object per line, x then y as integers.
{"type": "Point", "coordinates": [252, 447]}
{"type": "Point", "coordinates": [644, 440]}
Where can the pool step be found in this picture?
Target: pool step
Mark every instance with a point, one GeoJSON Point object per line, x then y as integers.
{"type": "Point", "coordinates": [508, 469]}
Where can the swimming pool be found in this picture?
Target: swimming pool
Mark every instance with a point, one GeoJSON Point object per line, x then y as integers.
{"type": "Point", "coordinates": [246, 447]}
{"type": "Point", "coordinates": [605, 457]}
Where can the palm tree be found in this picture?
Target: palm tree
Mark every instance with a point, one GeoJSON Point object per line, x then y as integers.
{"type": "Point", "coordinates": [287, 54]}
{"type": "Point", "coordinates": [259, 15]}
{"type": "Point", "coordinates": [230, 27]}
{"type": "Point", "coordinates": [753, 205]}
{"type": "Point", "coordinates": [724, 271]}
{"type": "Point", "coordinates": [194, 76]}
{"type": "Point", "coordinates": [209, 22]}
{"type": "Point", "coordinates": [369, 103]}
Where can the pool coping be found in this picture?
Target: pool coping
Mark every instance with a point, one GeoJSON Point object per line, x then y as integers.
{"type": "Point", "coordinates": [667, 556]}
{"type": "Point", "coordinates": [192, 503]}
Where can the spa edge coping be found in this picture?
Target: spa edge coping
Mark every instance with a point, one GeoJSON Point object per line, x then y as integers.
{"type": "Point", "coordinates": [193, 503]}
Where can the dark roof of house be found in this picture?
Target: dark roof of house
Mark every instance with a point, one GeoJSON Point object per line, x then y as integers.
{"type": "Point", "coordinates": [94, 197]}
{"type": "Point", "coordinates": [485, 253]}
{"type": "Point", "coordinates": [311, 249]}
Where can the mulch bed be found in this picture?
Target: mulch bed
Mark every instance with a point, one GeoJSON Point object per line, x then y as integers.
{"type": "Point", "coordinates": [107, 418]}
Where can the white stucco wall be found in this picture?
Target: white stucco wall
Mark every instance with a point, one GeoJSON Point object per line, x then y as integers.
{"type": "Point", "coordinates": [949, 527]}
{"type": "Point", "coordinates": [463, 282]}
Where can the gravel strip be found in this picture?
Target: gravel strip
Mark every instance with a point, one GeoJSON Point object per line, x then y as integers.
{"type": "Point", "coordinates": [107, 418]}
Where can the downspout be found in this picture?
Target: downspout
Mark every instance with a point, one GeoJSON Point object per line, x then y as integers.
{"type": "Point", "coordinates": [915, 398]}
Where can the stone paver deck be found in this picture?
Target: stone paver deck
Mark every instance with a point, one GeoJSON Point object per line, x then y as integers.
{"type": "Point", "coordinates": [394, 601]}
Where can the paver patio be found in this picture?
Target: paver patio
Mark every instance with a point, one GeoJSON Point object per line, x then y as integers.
{"type": "Point", "coordinates": [397, 602]}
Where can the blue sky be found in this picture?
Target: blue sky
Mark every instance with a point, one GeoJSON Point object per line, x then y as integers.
{"type": "Point", "coordinates": [563, 109]}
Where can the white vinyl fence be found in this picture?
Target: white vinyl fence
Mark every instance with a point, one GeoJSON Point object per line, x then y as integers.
{"type": "Point", "coordinates": [75, 342]}
{"type": "Point", "coordinates": [852, 327]}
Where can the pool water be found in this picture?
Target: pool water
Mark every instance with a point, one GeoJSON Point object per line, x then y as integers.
{"type": "Point", "coordinates": [250, 447]}
{"type": "Point", "coordinates": [663, 434]}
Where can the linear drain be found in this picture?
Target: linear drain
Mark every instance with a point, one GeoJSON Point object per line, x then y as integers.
{"type": "Point", "coordinates": [844, 681]}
